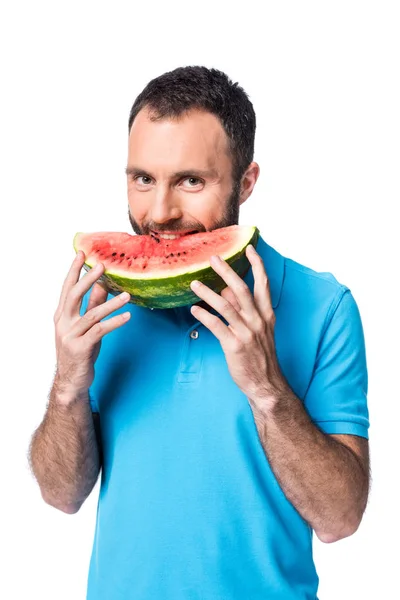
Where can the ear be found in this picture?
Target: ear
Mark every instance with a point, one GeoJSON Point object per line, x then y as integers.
{"type": "Point", "coordinates": [248, 182]}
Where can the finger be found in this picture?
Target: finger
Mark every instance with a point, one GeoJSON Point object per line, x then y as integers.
{"type": "Point", "coordinates": [70, 280]}
{"type": "Point", "coordinates": [214, 324]}
{"type": "Point", "coordinates": [75, 294]}
{"type": "Point", "coordinates": [97, 313]}
{"type": "Point", "coordinates": [99, 330]}
{"type": "Point", "coordinates": [262, 295]}
{"type": "Point", "coordinates": [237, 285]}
{"type": "Point", "coordinates": [221, 305]}
{"type": "Point", "coordinates": [98, 296]}
{"type": "Point", "coordinates": [230, 296]}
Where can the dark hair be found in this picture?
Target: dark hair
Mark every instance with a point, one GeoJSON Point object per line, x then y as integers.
{"type": "Point", "coordinates": [176, 92]}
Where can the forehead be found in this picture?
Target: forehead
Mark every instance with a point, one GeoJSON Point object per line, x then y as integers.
{"type": "Point", "coordinates": [194, 137]}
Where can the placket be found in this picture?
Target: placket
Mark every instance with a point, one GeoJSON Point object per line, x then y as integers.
{"type": "Point", "coordinates": [191, 354]}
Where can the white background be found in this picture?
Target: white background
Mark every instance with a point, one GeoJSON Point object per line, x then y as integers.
{"type": "Point", "coordinates": [324, 81]}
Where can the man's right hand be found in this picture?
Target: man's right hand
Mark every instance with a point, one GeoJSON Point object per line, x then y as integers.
{"type": "Point", "coordinates": [78, 339]}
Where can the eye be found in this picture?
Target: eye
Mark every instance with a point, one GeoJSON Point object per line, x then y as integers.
{"type": "Point", "coordinates": [143, 179]}
{"type": "Point", "coordinates": [192, 182]}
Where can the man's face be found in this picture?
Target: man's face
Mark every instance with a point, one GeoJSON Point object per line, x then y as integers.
{"type": "Point", "coordinates": [180, 175]}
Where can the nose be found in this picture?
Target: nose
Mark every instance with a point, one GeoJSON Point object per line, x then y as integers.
{"type": "Point", "coordinates": [165, 206]}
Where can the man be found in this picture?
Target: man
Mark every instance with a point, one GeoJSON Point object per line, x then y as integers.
{"type": "Point", "coordinates": [228, 431]}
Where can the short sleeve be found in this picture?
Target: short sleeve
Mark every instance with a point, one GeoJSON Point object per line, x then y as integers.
{"type": "Point", "coordinates": [336, 399]}
{"type": "Point", "coordinates": [82, 311]}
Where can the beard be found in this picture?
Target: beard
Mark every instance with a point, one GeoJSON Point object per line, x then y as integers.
{"type": "Point", "coordinates": [230, 217]}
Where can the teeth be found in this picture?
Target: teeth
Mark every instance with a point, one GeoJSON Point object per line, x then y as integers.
{"type": "Point", "coordinates": [170, 236]}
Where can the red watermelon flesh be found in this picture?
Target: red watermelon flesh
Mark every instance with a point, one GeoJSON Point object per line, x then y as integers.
{"type": "Point", "coordinates": [157, 273]}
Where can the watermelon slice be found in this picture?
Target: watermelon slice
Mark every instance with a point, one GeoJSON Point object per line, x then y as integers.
{"type": "Point", "coordinates": [157, 272]}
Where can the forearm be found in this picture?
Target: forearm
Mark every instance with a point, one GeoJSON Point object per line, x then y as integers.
{"type": "Point", "coordinates": [64, 455]}
{"type": "Point", "coordinates": [321, 477]}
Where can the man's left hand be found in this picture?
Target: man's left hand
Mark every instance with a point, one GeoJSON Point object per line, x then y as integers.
{"type": "Point", "coordinates": [248, 341]}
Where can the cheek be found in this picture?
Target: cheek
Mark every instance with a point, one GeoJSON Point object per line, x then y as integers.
{"type": "Point", "coordinates": [138, 204]}
{"type": "Point", "coordinates": [213, 204]}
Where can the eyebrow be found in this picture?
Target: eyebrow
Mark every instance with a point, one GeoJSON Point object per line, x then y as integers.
{"type": "Point", "coordinates": [203, 174]}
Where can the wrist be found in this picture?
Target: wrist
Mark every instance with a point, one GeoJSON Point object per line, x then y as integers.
{"type": "Point", "coordinates": [269, 402]}
{"type": "Point", "coordinates": [66, 393]}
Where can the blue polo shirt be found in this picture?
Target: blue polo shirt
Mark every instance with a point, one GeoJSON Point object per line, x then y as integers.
{"type": "Point", "coordinates": [189, 507]}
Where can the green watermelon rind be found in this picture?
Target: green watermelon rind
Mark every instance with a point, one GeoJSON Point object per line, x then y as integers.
{"type": "Point", "coordinates": [174, 291]}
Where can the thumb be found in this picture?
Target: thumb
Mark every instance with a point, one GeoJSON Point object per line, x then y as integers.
{"type": "Point", "coordinates": [98, 296]}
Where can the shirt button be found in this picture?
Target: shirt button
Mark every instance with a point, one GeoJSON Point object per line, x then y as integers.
{"type": "Point", "coordinates": [194, 334]}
